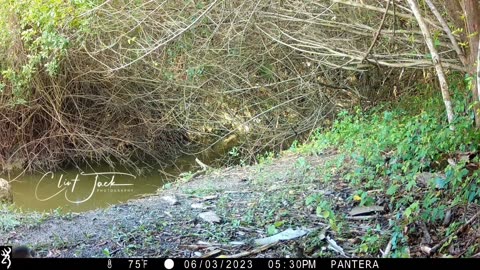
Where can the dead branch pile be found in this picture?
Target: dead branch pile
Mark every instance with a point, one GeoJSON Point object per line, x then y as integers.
{"type": "Point", "coordinates": [150, 74]}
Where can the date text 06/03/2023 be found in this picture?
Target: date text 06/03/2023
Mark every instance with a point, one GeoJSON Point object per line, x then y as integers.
{"type": "Point", "coordinates": [249, 264]}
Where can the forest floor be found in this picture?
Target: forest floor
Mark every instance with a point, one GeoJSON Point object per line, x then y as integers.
{"type": "Point", "coordinates": [222, 213]}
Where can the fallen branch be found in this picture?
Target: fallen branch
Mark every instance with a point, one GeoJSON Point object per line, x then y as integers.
{"type": "Point", "coordinates": [247, 253]}
{"type": "Point", "coordinates": [388, 248]}
{"type": "Point", "coordinates": [203, 165]}
{"type": "Point", "coordinates": [212, 253]}
{"type": "Point", "coordinates": [427, 236]}
{"type": "Point", "coordinates": [440, 244]}
{"type": "Point", "coordinates": [363, 217]}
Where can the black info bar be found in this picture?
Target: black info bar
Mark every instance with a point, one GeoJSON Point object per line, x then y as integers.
{"type": "Point", "coordinates": [242, 263]}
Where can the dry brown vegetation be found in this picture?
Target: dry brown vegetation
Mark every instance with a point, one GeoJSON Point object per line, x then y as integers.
{"type": "Point", "coordinates": [143, 78]}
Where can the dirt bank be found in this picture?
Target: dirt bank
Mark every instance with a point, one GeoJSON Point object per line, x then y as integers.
{"type": "Point", "coordinates": [244, 204]}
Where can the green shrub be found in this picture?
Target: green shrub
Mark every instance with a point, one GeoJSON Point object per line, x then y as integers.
{"type": "Point", "coordinates": [34, 37]}
{"type": "Point", "coordinates": [389, 148]}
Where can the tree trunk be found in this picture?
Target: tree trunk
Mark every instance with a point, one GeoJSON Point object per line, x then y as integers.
{"type": "Point", "coordinates": [455, 11]}
{"type": "Point", "coordinates": [436, 60]}
{"type": "Point", "coordinates": [473, 22]}
{"type": "Point", "coordinates": [478, 69]}
{"type": "Point", "coordinates": [449, 33]}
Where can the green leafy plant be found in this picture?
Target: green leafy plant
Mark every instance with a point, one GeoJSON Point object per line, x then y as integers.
{"type": "Point", "coordinates": [272, 229]}
{"type": "Point", "coordinates": [40, 26]}
{"type": "Point", "coordinates": [106, 253]}
{"type": "Point", "coordinates": [388, 149]}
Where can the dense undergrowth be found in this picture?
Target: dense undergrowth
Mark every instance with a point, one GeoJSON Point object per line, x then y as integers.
{"type": "Point", "coordinates": [106, 81]}
{"type": "Point", "coordinates": [400, 156]}
{"type": "Point", "coordinates": [389, 149]}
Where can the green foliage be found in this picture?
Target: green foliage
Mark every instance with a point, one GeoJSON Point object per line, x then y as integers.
{"type": "Point", "coordinates": [234, 152]}
{"type": "Point", "coordinates": [370, 242]}
{"type": "Point", "coordinates": [266, 158]}
{"type": "Point", "coordinates": [302, 166]}
{"type": "Point", "coordinates": [271, 229]}
{"type": "Point", "coordinates": [8, 219]}
{"type": "Point", "coordinates": [388, 149]}
{"type": "Point", "coordinates": [106, 253]}
{"type": "Point", "coordinates": [323, 210]}
{"type": "Point", "coordinates": [395, 146]}
{"type": "Point", "coordinates": [399, 243]}
{"type": "Point", "coordinates": [42, 32]}
{"type": "Point", "coordinates": [365, 199]}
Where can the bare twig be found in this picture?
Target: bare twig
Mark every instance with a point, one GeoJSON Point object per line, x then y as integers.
{"type": "Point", "coordinates": [172, 37]}
{"type": "Point", "coordinates": [363, 217]}
{"type": "Point", "coordinates": [428, 238]}
{"type": "Point", "coordinates": [203, 165]}
{"type": "Point", "coordinates": [212, 253]}
{"type": "Point", "coordinates": [377, 34]}
{"type": "Point", "coordinates": [311, 52]}
{"type": "Point", "coordinates": [440, 244]}
{"type": "Point", "coordinates": [247, 253]}
{"type": "Point", "coordinates": [402, 15]}
{"type": "Point", "coordinates": [388, 248]}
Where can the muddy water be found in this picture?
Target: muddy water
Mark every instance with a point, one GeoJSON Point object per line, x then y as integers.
{"type": "Point", "coordinates": [75, 190]}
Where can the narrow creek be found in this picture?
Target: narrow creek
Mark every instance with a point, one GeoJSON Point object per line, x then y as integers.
{"type": "Point", "coordinates": [74, 190]}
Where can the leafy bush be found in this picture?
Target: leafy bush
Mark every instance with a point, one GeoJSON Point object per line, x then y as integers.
{"type": "Point", "coordinates": [390, 148]}
{"type": "Point", "coordinates": [35, 37]}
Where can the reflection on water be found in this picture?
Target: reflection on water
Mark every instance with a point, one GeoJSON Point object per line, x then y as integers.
{"type": "Point", "coordinates": [75, 190]}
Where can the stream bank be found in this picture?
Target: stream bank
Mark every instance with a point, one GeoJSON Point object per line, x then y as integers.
{"type": "Point", "coordinates": [245, 199]}
{"type": "Point", "coordinates": [220, 213]}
